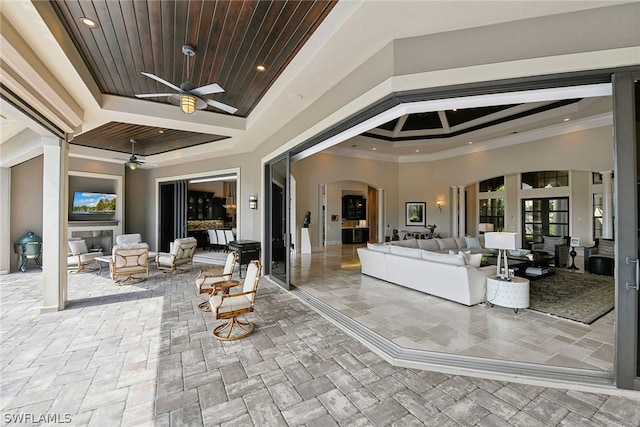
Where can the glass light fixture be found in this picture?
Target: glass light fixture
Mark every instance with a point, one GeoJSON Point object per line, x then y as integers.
{"type": "Point", "coordinates": [188, 104]}
{"type": "Point", "coordinates": [133, 165]}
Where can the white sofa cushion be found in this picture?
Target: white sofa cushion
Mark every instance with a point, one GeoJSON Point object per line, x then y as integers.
{"type": "Point", "coordinates": [429, 245]}
{"type": "Point", "coordinates": [447, 243]}
{"type": "Point", "coordinates": [452, 259]}
{"type": "Point", "coordinates": [78, 247]}
{"type": "Point", "coordinates": [409, 243]}
{"type": "Point", "coordinates": [407, 252]}
{"type": "Point", "coordinates": [378, 247]}
{"type": "Point", "coordinates": [461, 242]}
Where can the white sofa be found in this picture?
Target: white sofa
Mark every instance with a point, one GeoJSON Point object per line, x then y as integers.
{"type": "Point", "coordinates": [446, 276]}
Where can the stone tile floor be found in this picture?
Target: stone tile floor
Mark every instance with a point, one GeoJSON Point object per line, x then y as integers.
{"type": "Point", "coordinates": [144, 355]}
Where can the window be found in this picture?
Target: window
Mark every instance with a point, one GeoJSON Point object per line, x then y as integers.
{"type": "Point", "coordinates": [597, 216]}
{"type": "Point", "coordinates": [596, 177]}
{"type": "Point", "coordinates": [545, 179]}
{"type": "Point", "coordinates": [544, 217]}
{"type": "Point", "coordinates": [493, 184]}
{"type": "Point", "coordinates": [492, 211]}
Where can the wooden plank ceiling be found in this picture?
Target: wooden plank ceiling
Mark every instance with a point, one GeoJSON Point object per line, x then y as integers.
{"type": "Point", "coordinates": [231, 38]}
{"type": "Point", "coordinates": [149, 140]}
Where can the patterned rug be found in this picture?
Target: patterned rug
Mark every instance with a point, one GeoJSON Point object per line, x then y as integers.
{"type": "Point", "coordinates": [580, 297]}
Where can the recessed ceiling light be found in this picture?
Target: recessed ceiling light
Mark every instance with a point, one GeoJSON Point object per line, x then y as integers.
{"type": "Point", "coordinates": [295, 97]}
{"type": "Point", "coordinates": [261, 68]}
{"type": "Point", "coordinates": [88, 22]}
{"type": "Point", "coordinates": [417, 151]}
{"type": "Point", "coordinates": [160, 131]}
{"type": "Point", "coordinates": [567, 119]}
{"type": "Point", "coordinates": [454, 110]}
{"type": "Point", "coordinates": [470, 142]}
{"type": "Point", "coordinates": [374, 148]}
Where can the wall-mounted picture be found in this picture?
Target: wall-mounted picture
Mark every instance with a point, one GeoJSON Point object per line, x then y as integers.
{"type": "Point", "coordinates": [416, 213]}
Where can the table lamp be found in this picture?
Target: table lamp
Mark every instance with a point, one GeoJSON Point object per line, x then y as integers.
{"type": "Point", "coordinates": [502, 242]}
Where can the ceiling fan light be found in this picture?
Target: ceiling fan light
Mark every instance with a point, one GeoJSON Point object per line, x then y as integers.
{"type": "Point", "coordinates": [133, 166]}
{"type": "Point", "coordinates": [188, 104]}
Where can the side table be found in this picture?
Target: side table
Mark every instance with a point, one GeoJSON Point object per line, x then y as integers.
{"type": "Point", "coordinates": [512, 293]}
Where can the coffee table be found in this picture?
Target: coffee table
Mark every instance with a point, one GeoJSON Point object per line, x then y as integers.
{"type": "Point", "coordinates": [522, 262]}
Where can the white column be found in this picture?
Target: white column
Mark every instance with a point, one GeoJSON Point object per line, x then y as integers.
{"type": "Point", "coordinates": [607, 201]}
{"type": "Point", "coordinates": [462, 214]}
{"type": "Point", "coordinates": [454, 211]}
{"type": "Point", "coordinates": [6, 247]}
{"type": "Point", "coordinates": [54, 225]}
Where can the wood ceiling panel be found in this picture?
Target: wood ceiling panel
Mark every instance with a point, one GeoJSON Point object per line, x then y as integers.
{"type": "Point", "coordinates": [230, 38]}
{"type": "Point", "coordinates": [150, 140]}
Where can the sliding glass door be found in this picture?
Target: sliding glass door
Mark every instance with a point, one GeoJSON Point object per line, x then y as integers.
{"type": "Point", "coordinates": [277, 220]}
{"type": "Point", "coordinates": [626, 114]}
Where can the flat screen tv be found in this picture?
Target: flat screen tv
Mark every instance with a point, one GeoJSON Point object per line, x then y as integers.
{"type": "Point", "coordinates": [85, 203]}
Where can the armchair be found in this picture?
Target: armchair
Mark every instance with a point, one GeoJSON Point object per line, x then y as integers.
{"type": "Point", "coordinates": [600, 258]}
{"type": "Point", "coordinates": [230, 306]}
{"type": "Point", "coordinates": [182, 251]}
{"type": "Point", "coordinates": [557, 246]}
{"type": "Point", "coordinates": [208, 278]}
{"type": "Point", "coordinates": [79, 256]}
{"type": "Point", "coordinates": [128, 259]}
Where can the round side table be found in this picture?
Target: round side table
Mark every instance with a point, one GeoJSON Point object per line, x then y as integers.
{"type": "Point", "coordinates": [512, 293]}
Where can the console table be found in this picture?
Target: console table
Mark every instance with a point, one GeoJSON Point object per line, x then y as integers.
{"type": "Point", "coordinates": [512, 293]}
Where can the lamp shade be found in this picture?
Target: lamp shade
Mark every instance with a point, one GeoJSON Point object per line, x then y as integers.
{"type": "Point", "coordinates": [485, 227]}
{"type": "Point", "coordinates": [500, 240]}
{"type": "Point", "coordinates": [188, 104]}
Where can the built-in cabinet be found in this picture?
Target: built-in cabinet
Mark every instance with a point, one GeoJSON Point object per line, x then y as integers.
{"type": "Point", "coordinates": [354, 207]}
{"type": "Point", "coordinates": [355, 235]}
{"type": "Point", "coordinates": [204, 206]}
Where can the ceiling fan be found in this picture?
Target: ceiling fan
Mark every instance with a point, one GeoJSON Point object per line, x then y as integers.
{"type": "Point", "coordinates": [133, 161]}
{"type": "Point", "coordinates": [189, 98]}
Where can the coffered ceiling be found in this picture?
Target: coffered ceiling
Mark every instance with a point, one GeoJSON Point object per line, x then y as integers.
{"type": "Point", "coordinates": [231, 39]}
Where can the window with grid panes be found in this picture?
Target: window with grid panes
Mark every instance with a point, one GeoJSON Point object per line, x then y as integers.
{"type": "Point", "coordinates": [544, 217]}
{"type": "Point", "coordinates": [545, 179]}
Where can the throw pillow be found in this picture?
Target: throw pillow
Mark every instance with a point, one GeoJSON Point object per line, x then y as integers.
{"type": "Point", "coordinates": [472, 243]}
{"type": "Point", "coordinates": [78, 247]}
{"type": "Point", "coordinates": [473, 260]}
{"type": "Point", "coordinates": [461, 242]}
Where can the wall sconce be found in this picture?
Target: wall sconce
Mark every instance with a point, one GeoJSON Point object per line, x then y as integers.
{"type": "Point", "coordinates": [253, 202]}
{"type": "Point", "coordinates": [439, 203]}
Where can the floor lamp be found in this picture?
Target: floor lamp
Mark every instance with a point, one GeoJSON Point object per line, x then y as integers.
{"type": "Point", "coordinates": [502, 242]}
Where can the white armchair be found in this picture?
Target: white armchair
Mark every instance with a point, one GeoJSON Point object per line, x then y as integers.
{"type": "Point", "coordinates": [209, 277]}
{"type": "Point", "coordinates": [80, 258]}
{"type": "Point", "coordinates": [129, 259]}
{"type": "Point", "coordinates": [229, 306]}
{"type": "Point", "coordinates": [182, 251]}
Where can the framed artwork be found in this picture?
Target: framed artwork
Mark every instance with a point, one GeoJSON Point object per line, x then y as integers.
{"type": "Point", "coordinates": [415, 213]}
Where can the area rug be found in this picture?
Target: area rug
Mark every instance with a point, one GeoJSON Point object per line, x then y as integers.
{"type": "Point", "coordinates": [580, 297]}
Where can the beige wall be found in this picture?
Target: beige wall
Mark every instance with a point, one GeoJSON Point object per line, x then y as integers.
{"type": "Point", "coordinates": [324, 168]}
{"type": "Point", "coordinates": [580, 152]}
{"type": "Point", "coordinates": [26, 201]}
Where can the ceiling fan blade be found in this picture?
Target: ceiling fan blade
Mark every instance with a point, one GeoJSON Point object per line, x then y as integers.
{"type": "Point", "coordinates": [163, 81]}
{"type": "Point", "coordinates": [208, 89]}
{"type": "Point", "coordinates": [153, 95]}
{"type": "Point", "coordinates": [221, 106]}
